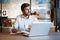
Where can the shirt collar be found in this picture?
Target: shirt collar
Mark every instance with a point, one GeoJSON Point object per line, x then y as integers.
{"type": "Point", "coordinates": [26, 17]}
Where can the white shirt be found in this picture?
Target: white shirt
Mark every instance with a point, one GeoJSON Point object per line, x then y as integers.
{"type": "Point", "coordinates": [23, 23]}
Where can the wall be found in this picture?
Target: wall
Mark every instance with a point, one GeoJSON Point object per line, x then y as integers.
{"type": "Point", "coordinates": [12, 7]}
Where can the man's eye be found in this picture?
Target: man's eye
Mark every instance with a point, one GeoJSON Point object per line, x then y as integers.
{"type": "Point", "coordinates": [26, 9]}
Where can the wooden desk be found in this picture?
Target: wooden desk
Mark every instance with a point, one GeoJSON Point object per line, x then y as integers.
{"type": "Point", "coordinates": [51, 36]}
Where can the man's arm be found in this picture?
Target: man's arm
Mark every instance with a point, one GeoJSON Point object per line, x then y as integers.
{"type": "Point", "coordinates": [15, 27]}
{"type": "Point", "coordinates": [34, 19]}
{"type": "Point", "coordinates": [29, 28]}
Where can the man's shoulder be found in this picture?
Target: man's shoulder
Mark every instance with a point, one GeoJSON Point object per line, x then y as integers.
{"type": "Point", "coordinates": [32, 16]}
{"type": "Point", "coordinates": [19, 16]}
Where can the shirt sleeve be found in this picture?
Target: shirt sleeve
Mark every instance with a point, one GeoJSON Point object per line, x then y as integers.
{"type": "Point", "coordinates": [34, 19]}
{"type": "Point", "coordinates": [16, 23]}
{"type": "Point", "coordinates": [29, 22]}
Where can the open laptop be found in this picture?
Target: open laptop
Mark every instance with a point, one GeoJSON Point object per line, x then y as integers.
{"type": "Point", "coordinates": [40, 29]}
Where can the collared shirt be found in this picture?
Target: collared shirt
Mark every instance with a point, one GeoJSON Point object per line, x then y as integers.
{"type": "Point", "coordinates": [23, 22]}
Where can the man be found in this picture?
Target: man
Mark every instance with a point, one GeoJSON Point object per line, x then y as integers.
{"type": "Point", "coordinates": [24, 21]}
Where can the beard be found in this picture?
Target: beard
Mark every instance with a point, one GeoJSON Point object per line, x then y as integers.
{"type": "Point", "coordinates": [26, 14]}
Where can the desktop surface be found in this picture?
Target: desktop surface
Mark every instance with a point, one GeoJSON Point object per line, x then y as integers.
{"type": "Point", "coordinates": [51, 36]}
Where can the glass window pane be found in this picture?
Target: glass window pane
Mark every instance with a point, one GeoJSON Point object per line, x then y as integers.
{"type": "Point", "coordinates": [42, 8]}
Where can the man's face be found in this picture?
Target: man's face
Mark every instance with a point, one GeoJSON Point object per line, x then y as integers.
{"type": "Point", "coordinates": [26, 10]}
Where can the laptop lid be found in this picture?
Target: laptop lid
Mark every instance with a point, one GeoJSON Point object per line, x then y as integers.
{"type": "Point", "coordinates": [40, 28]}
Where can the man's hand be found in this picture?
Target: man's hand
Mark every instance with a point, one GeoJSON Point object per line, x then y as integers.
{"type": "Point", "coordinates": [14, 30]}
{"type": "Point", "coordinates": [29, 28]}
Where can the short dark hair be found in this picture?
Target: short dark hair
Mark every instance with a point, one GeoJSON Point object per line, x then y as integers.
{"type": "Point", "coordinates": [24, 5]}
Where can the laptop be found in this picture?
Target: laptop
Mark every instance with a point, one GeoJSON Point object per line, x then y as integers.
{"type": "Point", "coordinates": [40, 29]}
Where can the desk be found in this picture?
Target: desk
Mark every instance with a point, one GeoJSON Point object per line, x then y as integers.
{"type": "Point", "coordinates": [51, 36]}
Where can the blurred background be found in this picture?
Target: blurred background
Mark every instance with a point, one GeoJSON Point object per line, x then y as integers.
{"type": "Point", "coordinates": [43, 10]}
